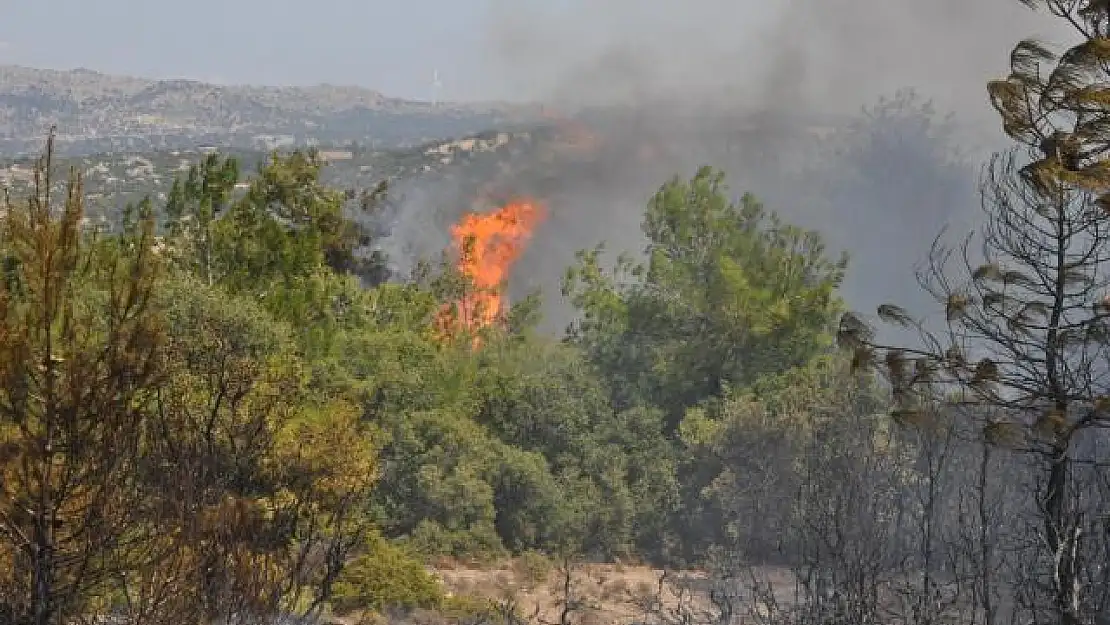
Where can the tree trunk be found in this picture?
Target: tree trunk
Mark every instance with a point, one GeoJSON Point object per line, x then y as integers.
{"type": "Point", "coordinates": [1060, 538]}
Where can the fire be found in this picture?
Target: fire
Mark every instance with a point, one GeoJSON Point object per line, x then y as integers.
{"type": "Point", "coordinates": [488, 244]}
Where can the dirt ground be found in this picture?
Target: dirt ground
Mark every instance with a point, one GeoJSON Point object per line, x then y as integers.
{"type": "Point", "coordinates": [599, 593]}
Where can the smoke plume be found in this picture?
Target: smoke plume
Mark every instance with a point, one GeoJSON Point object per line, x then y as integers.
{"type": "Point", "coordinates": [828, 55]}
{"type": "Point", "coordinates": [802, 102]}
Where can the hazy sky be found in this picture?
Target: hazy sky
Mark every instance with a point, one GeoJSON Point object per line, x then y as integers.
{"type": "Point", "coordinates": [389, 45]}
{"type": "Point", "coordinates": [825, 50]}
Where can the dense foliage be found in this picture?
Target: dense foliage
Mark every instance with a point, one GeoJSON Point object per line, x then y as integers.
{"type": "Point", "coordinates": [226, 410]}
{"type": "Point", "coordinates": [219, 413]}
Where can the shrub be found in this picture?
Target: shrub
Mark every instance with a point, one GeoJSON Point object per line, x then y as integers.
{"type": "Point", "coordinates": [532, 568]}
{"type": "Point", "coordinates": [385, 577]}
{"type": "Point", "coordinates": [478, 543]}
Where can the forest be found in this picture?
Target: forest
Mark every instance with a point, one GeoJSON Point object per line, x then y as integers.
{"type": "Point", "coordinates": [220, 411]}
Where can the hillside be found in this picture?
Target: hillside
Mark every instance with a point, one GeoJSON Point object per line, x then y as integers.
{"type": "Point", "coordinates": [114, 179]}
{"type": "Point", "coordinates": [97, 112]}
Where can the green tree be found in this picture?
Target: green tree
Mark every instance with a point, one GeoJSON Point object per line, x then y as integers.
{"type": "Point", "coordinates": [745, 504]}
{"type": "Point", "coordinates": [257, 509]}
{"type": "Point", "coordinates": [728, 293]}
{"type": "Point", "coordinates": [384, 577]}
{"type": "Point", "coordinates": [192, 208]}
{"type": "Point", "coordinates": [282, 229]}
{"type": "Point", "coordinates": [287, 222]}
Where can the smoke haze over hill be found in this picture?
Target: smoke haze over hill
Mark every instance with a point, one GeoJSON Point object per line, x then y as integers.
{"type": "Point", "coordinates": [771, 93]}
{"type": "Point", "coordinates": [832, 55]}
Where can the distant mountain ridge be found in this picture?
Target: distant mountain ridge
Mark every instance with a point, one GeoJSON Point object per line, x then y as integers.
{"type": "Point", "coordinates": [97, 112]}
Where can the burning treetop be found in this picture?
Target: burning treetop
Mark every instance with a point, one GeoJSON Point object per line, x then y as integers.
{"type": "Point", "coordinates": [488, 245]}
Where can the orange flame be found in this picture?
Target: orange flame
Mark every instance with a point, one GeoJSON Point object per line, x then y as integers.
{"type": "Point", "coordinates": [488, 245]}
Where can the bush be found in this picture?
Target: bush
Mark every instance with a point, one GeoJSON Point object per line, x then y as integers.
{"type": "Point", "coordinates": [461, 608]}
{"type": "Point", "coordinates": [532, 568]}
{"type": "Point", "coordinates": [384, 577]}
{"type": "Point", "coordinates": [479, 543]}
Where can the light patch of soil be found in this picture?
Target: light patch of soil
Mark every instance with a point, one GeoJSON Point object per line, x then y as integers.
{"type": "Point", "coordinates": [599, 593]}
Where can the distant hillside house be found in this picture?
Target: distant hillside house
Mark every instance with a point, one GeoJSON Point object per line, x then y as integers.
{"type": "Point", "coordinates": [336, 155]}
{"type": "Point", "coordinates": [470, 144]}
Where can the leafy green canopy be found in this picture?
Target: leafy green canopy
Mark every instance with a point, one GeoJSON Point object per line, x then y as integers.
{"type": "Point", "coordinates": [279, 420]}
{"type": "Point", "coordinates": [728, 293]}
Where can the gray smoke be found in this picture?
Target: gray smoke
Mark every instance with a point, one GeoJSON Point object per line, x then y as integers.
{"type": "Point", "coordinates": [787, 97]}
{"type": "Point", "coordinates": [828, 55]}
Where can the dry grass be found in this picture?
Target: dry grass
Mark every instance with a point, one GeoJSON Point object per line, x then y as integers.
{"type": "Point", "coordinates": [600, 593]}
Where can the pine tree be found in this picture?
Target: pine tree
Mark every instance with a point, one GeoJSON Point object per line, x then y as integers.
{"type": "Point", "coordinates": [1027, 327]}
{"type": "Point", "coordinates": [78, 346]}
